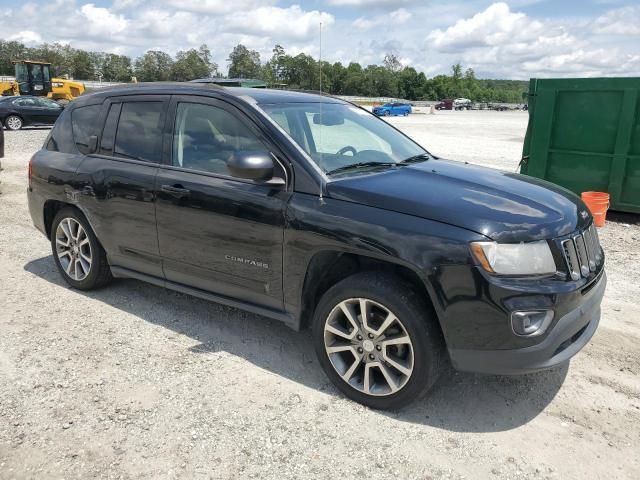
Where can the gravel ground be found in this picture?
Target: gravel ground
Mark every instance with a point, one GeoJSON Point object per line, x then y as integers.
{"type": "Point", "coordinates": [134, 381]}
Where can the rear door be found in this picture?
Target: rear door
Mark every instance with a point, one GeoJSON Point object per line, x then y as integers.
{"type": "Point", "coordinates": [117, 181]}
{"type": "Point", "coordinates": [216, 232]}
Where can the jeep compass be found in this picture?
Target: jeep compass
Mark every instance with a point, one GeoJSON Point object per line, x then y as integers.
{"type": "Point", "coordinates": [313, 211]}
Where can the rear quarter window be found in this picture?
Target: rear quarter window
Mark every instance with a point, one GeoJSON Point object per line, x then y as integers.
{"type": "Point", "coordinates": [85, 121]}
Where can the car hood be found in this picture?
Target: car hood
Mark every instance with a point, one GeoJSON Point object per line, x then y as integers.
{"type": "Point", "coordinates": [505, 207]}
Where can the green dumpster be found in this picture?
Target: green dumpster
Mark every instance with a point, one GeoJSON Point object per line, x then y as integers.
{"type": "Point", "coordinates": [584, 134]}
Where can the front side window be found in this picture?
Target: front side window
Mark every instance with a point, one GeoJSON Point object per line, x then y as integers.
{"type": "Point", "coordinates": [139, 132]}
{"type": "Point", "coordinates": [84, 121]}
{"type": "Point", "coordinates": [206, 137]}
{"type": "Point", "coordinates": [337, 136]}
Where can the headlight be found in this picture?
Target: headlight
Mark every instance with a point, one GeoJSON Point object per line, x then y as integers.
{"type": "Point", "coordinates": [533, 258]}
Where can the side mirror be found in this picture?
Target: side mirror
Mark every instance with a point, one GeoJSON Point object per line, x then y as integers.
{"type": "Point", "coordinates": [251, 165]}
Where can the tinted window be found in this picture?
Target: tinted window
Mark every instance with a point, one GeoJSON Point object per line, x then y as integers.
{"type": "Point", "coordinates": [46, 103]}
{"type": "Point", "coordinates": [109, 132]}
{"type": "Point", "coordinates": [206, 137]}
{"type": "Point", "coordinates": [85, 124]}
{"type": "Point", "coordinates": [60, 139]}
{"type": "Point", "coordinates": [25, 102]}
{"type": "Point", "coordinates": [139, 134]}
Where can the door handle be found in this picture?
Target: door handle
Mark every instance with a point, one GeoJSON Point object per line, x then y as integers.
{"type": "Point", "coordinates": [177, 191]}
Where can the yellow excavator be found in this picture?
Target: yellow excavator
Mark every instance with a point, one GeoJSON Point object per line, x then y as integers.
{"type": "Point", "coordinates": [34, 78]}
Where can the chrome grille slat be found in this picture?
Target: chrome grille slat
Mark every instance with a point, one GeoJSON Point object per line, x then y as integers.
{"type": "Point", "coordinates": [582, 253]}
{"type": "Point", "coordinates": [591, 251]}
{"type": "Point", "coordinates": [570, 256]}
{"type": "Point", "coordinates": [596, 243]}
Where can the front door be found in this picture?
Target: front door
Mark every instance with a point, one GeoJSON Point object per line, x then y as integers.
{"type": "Point", "coordinates": [216, 232]}
{"type": "Point", "coordinates": [49, 111]}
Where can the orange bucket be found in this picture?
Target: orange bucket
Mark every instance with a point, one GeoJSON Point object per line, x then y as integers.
{"type": "Point", "coordinates": [598, 203]}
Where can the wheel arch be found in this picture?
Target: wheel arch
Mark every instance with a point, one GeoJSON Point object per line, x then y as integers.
{"type": "Point", "coordinates": [52, 207]}
{"type": "Point", "coordinates": [328, 267]}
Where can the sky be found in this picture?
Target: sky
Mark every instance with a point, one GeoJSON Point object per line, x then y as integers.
{"type": "Point", "coordinates": [516, 39]}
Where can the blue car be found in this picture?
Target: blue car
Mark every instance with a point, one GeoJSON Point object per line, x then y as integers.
{"type": "Point", "coordinates": [394, 108]}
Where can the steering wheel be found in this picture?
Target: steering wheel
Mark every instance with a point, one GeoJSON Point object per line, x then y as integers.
{"type": "Point", "coordinates": [346, 149]}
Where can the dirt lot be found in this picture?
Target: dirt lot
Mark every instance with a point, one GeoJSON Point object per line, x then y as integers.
{"type": "Point", "coordinates": [134, 381]}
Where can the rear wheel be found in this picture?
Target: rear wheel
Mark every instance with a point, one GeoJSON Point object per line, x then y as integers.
{"type": "Point", "coordinates": [13, 122]}
{"type": "Point", "coordinates": [80, 258]}
{"type": "Point", "coordinates": [376, 339]}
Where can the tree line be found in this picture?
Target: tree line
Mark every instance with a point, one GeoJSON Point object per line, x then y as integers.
{"type": "Point", "coordinates": [388, 79]}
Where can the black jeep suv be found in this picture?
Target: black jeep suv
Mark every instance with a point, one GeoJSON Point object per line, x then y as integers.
{"type": "Point", "coordinates": [311, 210]}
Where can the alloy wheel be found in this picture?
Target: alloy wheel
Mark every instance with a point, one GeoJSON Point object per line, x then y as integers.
{"type": "Point", "coordinates": [368, 346]}
{"type": "Point", "coordinates": [73, 249]}
{"type": "Point", "coordinates": [13, 122]}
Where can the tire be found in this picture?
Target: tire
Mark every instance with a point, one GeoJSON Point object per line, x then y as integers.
{"type": "Point", "coordinates": [13, 122]}
{"type": "Point", "coordinates": [421, 358]}
{"type": "Point", "coordinates": [387, 113]}
{"type": "Point", "coordinates": [80, 258]}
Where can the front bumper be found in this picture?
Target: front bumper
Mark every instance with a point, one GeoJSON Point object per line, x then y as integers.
{"type": "Point", "coordinates": [566, 338]}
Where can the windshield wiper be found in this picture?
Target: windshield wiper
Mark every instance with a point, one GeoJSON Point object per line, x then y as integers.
{"type": "Point", "coordinates": [356, 166]}
{"type": "Point", "coordinates": [421, 157]}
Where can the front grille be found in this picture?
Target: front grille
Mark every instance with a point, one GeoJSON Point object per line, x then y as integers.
{"type": "Point", "coordinates": [582, 253]}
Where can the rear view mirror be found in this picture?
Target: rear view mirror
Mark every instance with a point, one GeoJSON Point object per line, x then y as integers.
{"type": "Point", "coordinates": [251, 165]}
{"type": "Point", "coordinates": [328, 119]}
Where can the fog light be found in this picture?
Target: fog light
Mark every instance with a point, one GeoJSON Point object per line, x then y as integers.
{"type": "Point", "coordinates": [531, 323]}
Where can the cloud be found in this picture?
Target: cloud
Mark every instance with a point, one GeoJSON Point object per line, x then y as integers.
{"type": "Point", "coordinates": [26, 36]}
{"type": "Point", "coordinates": [622, 21]}
{"type": "Point", "coordinates": [100, 21]}
{"type": "Point", "coordinates": [497, 40]}
{"type": "Point", "coordinates": [214, 7]}
{"type": "Point", "coordinates": [494, 26]}
{"type": "Point", "coordinates": [392, 19]}
{"type": "Point", "coordinates": [516, 45]}
{"type": "Point", "coordinates": [370, 3]}
{"type": "Point", "coordinates": [291, 22]}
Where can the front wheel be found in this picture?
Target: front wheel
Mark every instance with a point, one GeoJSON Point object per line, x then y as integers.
{"type": "Point", "coordinates": [13, 122]}
{"type": "Point", "coordinates": [80, 258]}
{"type": "Point", "coordinates": [377, 340]}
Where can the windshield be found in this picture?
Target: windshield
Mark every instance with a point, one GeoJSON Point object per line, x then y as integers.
{"type": "Point", "coordinates": [337, 135]}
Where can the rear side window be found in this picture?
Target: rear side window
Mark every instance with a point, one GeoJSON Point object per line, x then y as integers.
{"type": "Point", "coordinates": [139, 132]}
{"type": "Point", "coordinates": [60, 139]}
{"type": "Point", "coordinates": [85, 121]}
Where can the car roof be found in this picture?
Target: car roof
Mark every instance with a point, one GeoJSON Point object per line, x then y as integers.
{"type": "Point", "coordinates": [257, 95]}
{"type": "Point", "coordinates": [15, 97]}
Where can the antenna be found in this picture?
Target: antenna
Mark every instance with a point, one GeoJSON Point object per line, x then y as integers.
{"type": "Point", "coordinates": [320, 65]}
{"type": "Point", "coordinates": [320, 58]}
